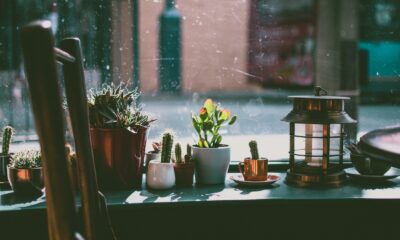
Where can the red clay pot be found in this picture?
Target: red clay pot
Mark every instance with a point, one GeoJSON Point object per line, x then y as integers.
{"type": "Point", "coordinates": [119, 157]}
{"type": "Point", "coordinates": [184, 174]}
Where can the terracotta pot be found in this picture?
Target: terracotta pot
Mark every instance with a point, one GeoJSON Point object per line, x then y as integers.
{"type": "Point", "coordinates": [119, 156]}
{"type": "Point", "coordinates": [184, 174]}
{"type": "Point", "coordinates": [26, 181]}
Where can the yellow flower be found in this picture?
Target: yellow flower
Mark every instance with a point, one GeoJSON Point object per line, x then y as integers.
{"type": "Point", "coordinates": [225, 114]}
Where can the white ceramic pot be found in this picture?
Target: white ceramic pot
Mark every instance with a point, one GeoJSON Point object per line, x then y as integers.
{"type": "Point", "coordinates": [160, 175]}
{"type": "Point", "coordinates": [211, 164]}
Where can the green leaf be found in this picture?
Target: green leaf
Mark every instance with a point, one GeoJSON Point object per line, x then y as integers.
{"type": "Point", "coordinates": [224, 115]}
{"type": "Point", "coordinates": [220, 122]}
{"type": "Point", "coordinates": [205, 144]}
{"type": "Point", "coordinates": [214, 139]}
{"type": "Point", "coordinates": [207, 126]}
{"type": "Point", "coordinates": [233, 120]}
{"type": "Point", "coordinates": [219, 140]}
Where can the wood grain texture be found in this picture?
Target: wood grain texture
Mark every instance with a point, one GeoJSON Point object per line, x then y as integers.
{"type": "Point", "coordinates": [40, 65]}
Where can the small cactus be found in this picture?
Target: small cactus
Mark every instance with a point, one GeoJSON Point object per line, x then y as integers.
{"type": "Point", "coordinates": [7, 136]}
{"type": "Point", "coordinates": [178, 153]}
{"type": "Point", "coordinates": [254, 149]}
{"type": "Point", "coordinates": [188, 156]}
{"type": "Point", "coordinates": [167, 142]}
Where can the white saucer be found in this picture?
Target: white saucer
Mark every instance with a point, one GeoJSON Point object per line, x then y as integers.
{"type": "Point", "coordinates": [392, 173]}
{"type": "Point", "coordinates": [238, 178]}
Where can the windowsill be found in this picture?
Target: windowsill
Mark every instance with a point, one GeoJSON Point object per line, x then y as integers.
{"type": "Point", "coordinates": [349, 191]}
{"type": "Point", "coordinates": [135, 213]}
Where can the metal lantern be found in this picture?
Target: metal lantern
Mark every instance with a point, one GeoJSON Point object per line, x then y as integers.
{"type": "Point", "coordinates": [316, 139]}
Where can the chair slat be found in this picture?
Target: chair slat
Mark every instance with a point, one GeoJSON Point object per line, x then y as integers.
{"type": "Point", "coordinates": [40, 65]}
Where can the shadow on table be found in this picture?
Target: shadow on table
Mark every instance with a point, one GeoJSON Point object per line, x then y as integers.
{"type": "Point", "coordinates": [195, 193]}
{"type": "Point", "coordinates": [374, 185]}
{"type": "Point", "coordinates": [11, 199]}
{"type": "Point", "coordinates": [249, 190]}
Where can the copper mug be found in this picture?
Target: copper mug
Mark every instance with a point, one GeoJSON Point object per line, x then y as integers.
{"type": "Point", "coordinates": [254, 169]}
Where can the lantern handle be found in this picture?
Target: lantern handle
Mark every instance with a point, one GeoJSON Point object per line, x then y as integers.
{"type": "Point", "coordinates": [319, 91]}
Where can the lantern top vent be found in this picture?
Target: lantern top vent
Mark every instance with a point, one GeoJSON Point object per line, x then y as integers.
{"type": "Point", "coordinates": [318, 109]}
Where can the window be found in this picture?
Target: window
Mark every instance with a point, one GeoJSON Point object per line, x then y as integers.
{"type": "Point", "coordinates": [247, 54]}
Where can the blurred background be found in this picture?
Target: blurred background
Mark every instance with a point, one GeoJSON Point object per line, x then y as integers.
{"type": "Point", "coordinates": [249, 55]}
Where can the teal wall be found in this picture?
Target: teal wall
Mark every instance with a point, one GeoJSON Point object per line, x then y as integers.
{"type": "Point", "coordinates": [384, 58]}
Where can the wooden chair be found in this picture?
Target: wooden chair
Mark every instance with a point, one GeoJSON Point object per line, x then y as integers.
{"type": "Point", "coordinates": [40, 58]}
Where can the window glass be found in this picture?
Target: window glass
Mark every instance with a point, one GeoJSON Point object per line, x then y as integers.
{"type": "Point", "coordinates": [248, 55]}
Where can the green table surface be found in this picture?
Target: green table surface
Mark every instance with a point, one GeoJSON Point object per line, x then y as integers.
{"type": "Point", "coordinates": [228, 193]}
{"type": "Point", "coordinates": [352, 211]}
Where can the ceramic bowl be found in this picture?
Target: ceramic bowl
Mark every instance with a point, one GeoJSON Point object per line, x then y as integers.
{"type": "Point", "coordinates": [368, 166]}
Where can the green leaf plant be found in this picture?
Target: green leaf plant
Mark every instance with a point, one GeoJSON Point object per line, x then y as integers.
{"type": "Point", "coordinates": [8, 133]}
{"type": "Point", "coordinates": [116, 107]}
{"type": "Point", "coordinates": [209, 121]}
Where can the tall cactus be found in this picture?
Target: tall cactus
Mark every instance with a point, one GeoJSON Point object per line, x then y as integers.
{"type": "Point", "coordinates": [167, 142]}
{"type": "Point", "coordinates": [188, 156]}
{"type": "Point", "coordinates": [7, 136]}
{"type": "Point", "coordinates": [178, 153]}
{"type": "Point", "coordinates": [254, 149]}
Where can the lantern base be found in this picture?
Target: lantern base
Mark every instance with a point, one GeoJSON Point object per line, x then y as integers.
{"type": "Point", "coordinates": [314, 180]}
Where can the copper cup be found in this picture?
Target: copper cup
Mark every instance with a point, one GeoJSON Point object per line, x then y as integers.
{"type": "Point", "coordinates": [254, 169]}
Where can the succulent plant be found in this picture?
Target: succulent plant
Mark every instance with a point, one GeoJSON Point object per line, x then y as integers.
{"type": "Point", "coordinates": [208, 123]}
{"type": "Point", "coordinates": [116, 107]}
{"type": "Point", "coordinates": [178, 153]}
{"type": "Point", "coordinates": [8, 132]}
{"type": "Point", "coordinates": [254, 150]}
{"type": "Point", "coordinates": [26, 159]}
{"type": "Point", "coordinates": [188, 155]}
{"type": "Point", "coordinates": [167, 142]}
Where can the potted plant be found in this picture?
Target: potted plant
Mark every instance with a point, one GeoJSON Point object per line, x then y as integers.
{"type": "Point", "coordinates": [118, 130]}
{"type": "Point", "coordinates": [184, 168]}
{"type": "Point", "coordinates": [160, 174]}
{"type": "Point", "coordinates": [25, 173]}
{"type": "Point", "coordinates": [211, 157]}
{"type": "Point", "coordinates": [5, 153]}
{"type": "Point", "coordinates": [153, 154]}
{"type": "Point", "coordinates": [255, 167]}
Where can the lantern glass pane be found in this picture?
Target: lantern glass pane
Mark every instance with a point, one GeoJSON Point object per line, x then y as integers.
{"type": "Point", "coordinates": [316, 130]}
{"type": "Point", "coordinates": [309, 145]}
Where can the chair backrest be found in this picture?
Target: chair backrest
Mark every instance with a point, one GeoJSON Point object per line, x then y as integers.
{"type": "Point", "coordinates": [40, 58]}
